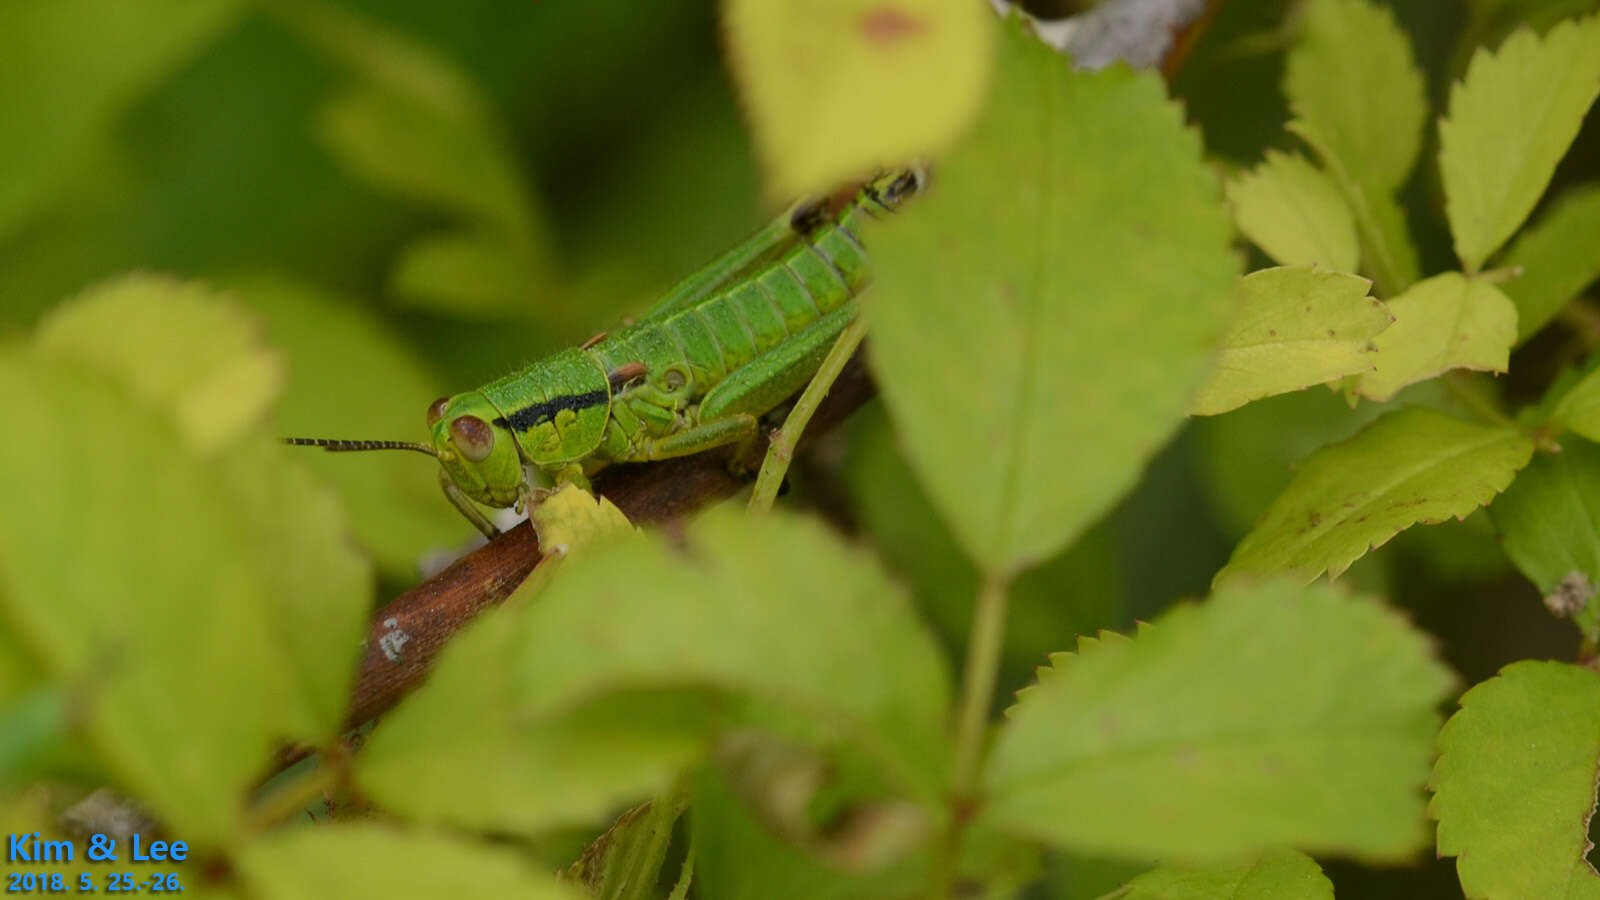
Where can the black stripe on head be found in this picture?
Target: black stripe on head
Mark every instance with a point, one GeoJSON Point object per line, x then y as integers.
{"type": "Point", "coordinates": [539, 413]}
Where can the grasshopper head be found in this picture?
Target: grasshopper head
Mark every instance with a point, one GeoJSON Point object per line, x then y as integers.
{"type": "Point", "coordinates": [476, 449]}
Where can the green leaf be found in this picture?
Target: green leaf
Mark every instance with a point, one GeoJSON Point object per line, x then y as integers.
{"type": "Point", "coordinates": [1514, 786]}
{"type": "Point", "coordinates": [572, 519]}
{"type": "Point", "coordinates": [1352, 76]}
{"type": "Point", "coordinates": [1294, 213]}
{"type": "Point", "coordinates": [1411, 466]}
{"type": "Point", "coordinates": [320, 586]}
{"type": "Point", "coordinates": [1511, 120]}
{"type": "Point", "coordinates": [68, 69]}
{"type": "Point", "coordinates": [633, 658]}
{"type": "Point", "coordinates": [1549, 527]}
{"type": "Point", "coordinates": [162, 621]}
{"type": "Point", "coordinates": [1446, 322]}
{"type": "Point", "coordinates": [339, 861]}
{"type": "Point", "coordinates": [349, 376]}
{"type": "Point", "coordinates": [1144, 293]}
{"type": "Point", "coordinates": [180, 346]}
{"type": "Point", "coordinates": [738, 858]}
{"type": "Point", "coordinates": [1558, 256]}
{"type": "Point", "coordinates": [624, 862]}
{"type": "Point", "coordinates": [1358, 101]}
{"type": "Point", "coordinates": [1579, 408]}
{"type": "Point", "coordinates": [905, 528]}
{"type": "Point", "coordinates": [1269, 716]}
{"type": "Point", "coordinates": [463, 273]}
{"type": "Point", "coordinates": [1297, 327]}
{"type": "Point", "coordinates": [838, 90]}
{"type": "Point", "coordinates": [1276, 875]}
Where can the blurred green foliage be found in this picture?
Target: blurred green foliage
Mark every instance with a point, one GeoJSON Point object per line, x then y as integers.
{"type": "Point", "coordinates": [377, 202]}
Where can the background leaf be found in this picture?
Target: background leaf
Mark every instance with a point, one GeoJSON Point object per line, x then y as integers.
{"type": "Point", "coordinates": [1446, 322]}
{"type": "Point", "coordinates": [1294, 213]}
{"type": "Point", "coordinates": [1352, 74]}
{"type": "Point", "coordinates": [835, 90]}
{"type": "Point", "coordinates": [1044, 286]}
{"type": "Point", "coordinates": [1558, 256]}
{"type": "Point", "coordinates": [1297, 327]}
{"type": "Point", "coordinates": [1410, 466]}
{"type": "Point", "coordinates": [774, 612]}
{"type": "Point", "coordinates": [1269, 716]}
{"type": "Point", "coordinates": [1548, 526]}
{"type": "Point", "coordinates": [1514, 785]}
{"type": "Point", "coordinates": [376, 861]}
{"type": "Point", "coordinates": [1578, 408]}
{"type": "Point", "coordinates": [1277, 875]}
{"type": "Point", "coordinates": [68, 69]}
{"type": "Point", "coordinates": [1512, 117]}
{"type": "Point", "coordinates": [179, 346]}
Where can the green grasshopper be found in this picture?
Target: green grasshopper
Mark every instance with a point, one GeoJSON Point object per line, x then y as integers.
{"type": "Point", "coordinates": [722, 348]}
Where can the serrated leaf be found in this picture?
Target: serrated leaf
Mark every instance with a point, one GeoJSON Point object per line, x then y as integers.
{"type": "Point", "coordinates": [571, 519]}
{"type": "Point", "coordinates": [1276, 875]}
{"type": "Point", "coordinates": [1297, 327]}
{"type": "Point", "coordinates": [1549, 528]}
{"type": "Point", "coordinates": [1352, 75]}
{"type": "Point", "coordinates": [68, 69]}
{"type": "Point", "coordinates": [1447, 322]}
{"type": "Point", "coordinates": [837, 89]}
{"type": "Point", "coordinates": [1269, 716]}
{"type": "Point", "coordinates": [1411, 466]}
{"type": "Point", "coordinates": [349, 376]}
{"type": "Point", "coordinates": [162, 621]}
{"type": "Point", "coordinates": [1294, 213]}
{"type": "Point", "coordinates": [1009, 339]}
{"type": "Point", "coordinates": [1387, 251]}
{"type": "Point", "coordinates": [1511, 119]}
{"type": "Point", "coordinates": [182, 347]}
{"type": "Point", "coordinates": [1513, 789]}
{"type": "Point", "coordinates": [1558, 256]}
{"type": "Point", "coordinates": [368, 860]}
{"type": "Point", "coordinates": [633, 658]}
{"type": "Point", "coordinates": [1579, 408]}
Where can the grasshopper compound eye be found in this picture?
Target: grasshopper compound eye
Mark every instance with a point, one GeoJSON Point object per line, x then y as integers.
{"type": "Point", "coordinates": [473, 437]}
{"type": "Point", "coordinates": [436, 410]}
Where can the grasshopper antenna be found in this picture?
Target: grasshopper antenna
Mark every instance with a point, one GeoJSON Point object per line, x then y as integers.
{"type": "Point", "coordinates": [336, 446]}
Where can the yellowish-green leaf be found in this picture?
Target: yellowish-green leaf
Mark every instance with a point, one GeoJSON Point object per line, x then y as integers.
{"type": "Point", "coordinates": [319, 583]}
{"type": "Point", "coordinates": [1294, 213]}
{"type": "Point", "coordinates": [1387, 251]}
{"type": "Point", "coordinates": [1276, 875]}
{"type": "Point", "coordinates": [1352, 75]}
{"type": "Point", "coordinates": [1511, 120]}
{"type": "Point", "coordinates": [1558, 256]}
{"type": "Point", "coordinates": [125, 572]}
{"type": "Point", "coordinates": [1447, 322]}
{"type": "Point", "coordinates": [465, 273]}
{"type": "Point", "coordinates": [1297, 327]}
{"type": "Point", "coordinates": [1548, 527]}
{"type": "Point", "coordinates": [1579, 408]}
{"type": "Point", "coordinates": [1098, 162]}
{"type": "Point", "coordinates": [1271, 715]}
{"type": "Point", "coordinates": [1514, 785]}
{"type": "Point", "coordinates": [1411, 466]}
{"type": "Point", "coordinates": [350, 377]}
{"type": "Point", "coordinates": [367, 860]}
{"type": "Point", "coordinates": [180, 346]}
{"type": "Point", "coordinates": [641, 651]}
{"type": "Point", "coordinates": [839, 88]}
{"type": "Point", "coordinates": [572, 518]}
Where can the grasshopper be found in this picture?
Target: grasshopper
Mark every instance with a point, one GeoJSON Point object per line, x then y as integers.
{"type": "Point", "coordinates": [719, 350]}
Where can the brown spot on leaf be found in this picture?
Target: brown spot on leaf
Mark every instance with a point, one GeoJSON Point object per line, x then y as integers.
{"type": "Point", "coordinates": [888, 25]}
{"type": "Point", "coordinates": [1570, 594]}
